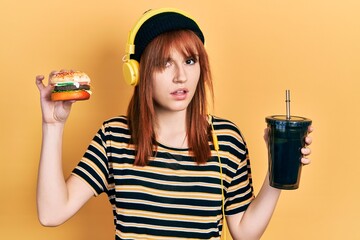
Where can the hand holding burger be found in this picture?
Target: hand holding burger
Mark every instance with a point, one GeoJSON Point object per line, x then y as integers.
{"type": "Point", "coordinates": [70, 85]}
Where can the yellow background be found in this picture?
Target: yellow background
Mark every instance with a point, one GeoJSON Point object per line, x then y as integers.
{"type": "Point", "coordinates": [257, 49]}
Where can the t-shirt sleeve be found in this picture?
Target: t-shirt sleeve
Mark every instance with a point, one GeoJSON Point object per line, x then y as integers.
{"type": "Point", "coordinates": [93, 167]}
{"type": "Point", "coordinates": [238, 187]}
{"type": "Point", "coordinates": [240, 192]}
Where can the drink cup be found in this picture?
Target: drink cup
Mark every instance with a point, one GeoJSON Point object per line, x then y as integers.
{"type": "Point", "coordinates": [286, 138]}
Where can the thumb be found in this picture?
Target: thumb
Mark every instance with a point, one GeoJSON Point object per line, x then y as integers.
{"type": "Point", "coordinates": [266, 134]}
{"type": "Point", "coordinates": [39, 82]}
{"type": "Point", "coordinates": [67, 104]}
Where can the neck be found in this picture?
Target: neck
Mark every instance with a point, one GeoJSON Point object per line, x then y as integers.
{"type": "Point", "coordinates": [171, 129]}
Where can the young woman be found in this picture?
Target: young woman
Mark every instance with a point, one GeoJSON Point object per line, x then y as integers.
{"type": "Point", "coordinates": [159, 164]}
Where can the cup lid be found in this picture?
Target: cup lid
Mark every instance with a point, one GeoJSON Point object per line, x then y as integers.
{"type": "Point", "coordinates": [295, 121]}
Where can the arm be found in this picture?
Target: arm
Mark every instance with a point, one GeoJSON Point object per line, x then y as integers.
{"type": "Point", "coordinates": [57, 199]}
{"type": "Point", "coordinates": [252, 223]}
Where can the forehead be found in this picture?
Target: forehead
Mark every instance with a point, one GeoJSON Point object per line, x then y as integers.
{"type": "Point", "coordinates": [183, 43]}
{"type": "Point", "coordinates": [181, 48]}
{"type": "Point", "coordinates": [178, 52]}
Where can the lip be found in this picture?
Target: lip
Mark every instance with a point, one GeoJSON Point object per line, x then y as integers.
{"type": "Point", "coordinates": [180, 94]}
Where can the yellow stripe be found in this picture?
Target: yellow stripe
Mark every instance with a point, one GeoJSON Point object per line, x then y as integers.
{"type": "Point", "coordinates": [167, 228]}
{"type": "Point", "coordinates": [166, 171]}
{"type": "Point", "coordinates": [121, 144]}
{"type": "Point", "coordinates": [162, 193]}
{"type": "Point", "coordinates": [241, 204]}
{"type": "Point", "coordinates": [165, 216]}
{"type": "Point", "coordinates": [168, 205]}
{"type": "Point", "coordinates": [90, 176]}
{"type": "Point", "coordinates": [98, 147]}
{"type": "Point", "coordinates": [151, 237]}
{"type": "Point", "coordinates": [168, 183]}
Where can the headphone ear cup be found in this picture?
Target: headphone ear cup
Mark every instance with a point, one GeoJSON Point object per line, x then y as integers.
{"type": "Point", "coordinates": [131, 72]}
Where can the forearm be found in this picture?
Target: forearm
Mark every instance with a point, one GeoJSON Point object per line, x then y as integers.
{"type": "Point", "coordinates": [51, 187]}
{"type": "Point", "coordinates": [257, 216]}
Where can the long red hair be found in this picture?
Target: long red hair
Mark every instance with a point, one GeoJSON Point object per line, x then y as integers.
{"type": "Point", "coordinates": [141, 113]}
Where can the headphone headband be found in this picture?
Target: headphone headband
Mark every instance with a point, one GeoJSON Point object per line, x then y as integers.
{"type": "Point", "coordinates": [130, 47]}
{"type": "Point", "coordinates": [151, 24]}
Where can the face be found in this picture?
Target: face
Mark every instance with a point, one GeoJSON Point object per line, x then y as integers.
{"type": "Point", "coordinates": [175, 84]}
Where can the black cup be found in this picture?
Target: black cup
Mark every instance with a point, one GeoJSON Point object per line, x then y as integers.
{"type": "Point", "coordinates": [286, 138]}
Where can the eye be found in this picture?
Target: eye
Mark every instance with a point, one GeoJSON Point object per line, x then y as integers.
{"type": "Point", "coordinates": [168, 62]}
{"type": "Point", "coordinates": [191, 60]}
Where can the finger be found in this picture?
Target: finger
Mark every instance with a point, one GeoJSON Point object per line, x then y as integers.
{"type": "Point", "coordinates": [308, 140]}
{"type": "Point", "coordinates": [39, 82]}
{"type": "Point", "coordinates": [68, 104]}
{"type": "Point", "coordinates": [266, 134]}
{"type": "Point", "coordinates": [310, 129]}
{"type": "Point", "coordinates": [306, 151]}
{"type": "Point", "coordinates": [51, 75]}
{"type": "Point", "coordinates": [305, 161]}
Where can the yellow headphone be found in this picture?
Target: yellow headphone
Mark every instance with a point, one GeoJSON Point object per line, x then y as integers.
{"type": "Point", "coordinates": [217, 148]}
{"type": "Point", "coordinates": [131, 66]}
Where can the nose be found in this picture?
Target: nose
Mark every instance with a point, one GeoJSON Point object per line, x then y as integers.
{"type": "Point", "coordinates": [180, 74]}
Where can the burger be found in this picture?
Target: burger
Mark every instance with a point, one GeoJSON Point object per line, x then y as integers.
{"type": "Point", "coordinates": [70, 85]}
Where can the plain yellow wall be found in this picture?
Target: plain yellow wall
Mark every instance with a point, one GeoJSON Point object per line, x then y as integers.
{"type": "Point", "coordinates": [257, 50]}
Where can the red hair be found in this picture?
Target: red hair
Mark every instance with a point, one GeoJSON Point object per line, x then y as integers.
{"type": "Point", "coordinates": [141, 113]}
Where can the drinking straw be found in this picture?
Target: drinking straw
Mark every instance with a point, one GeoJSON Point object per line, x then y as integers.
{"type": "Point", "coordinates": [287, 93]}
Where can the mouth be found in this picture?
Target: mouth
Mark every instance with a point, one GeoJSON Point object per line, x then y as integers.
{"type": "Point", "coordinates": [180, 92]}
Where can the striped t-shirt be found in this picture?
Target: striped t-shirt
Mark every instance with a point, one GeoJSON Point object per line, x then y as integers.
{"type": "Point", "coordinates": [172, 197]}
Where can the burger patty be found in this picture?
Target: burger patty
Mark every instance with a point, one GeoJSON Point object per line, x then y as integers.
{"type": "Point", "coordinates": [70, 88]}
